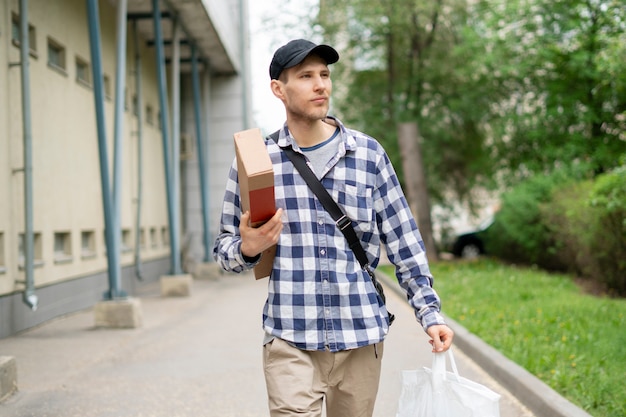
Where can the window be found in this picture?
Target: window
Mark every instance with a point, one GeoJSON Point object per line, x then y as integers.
{"type": "Point", "coordinates": [37, 250]}
{"type": "Point", "coordinates": [186, 147]}
{"type": "Point", "coordinates": [16, 35]}
{"type": "Point", "coordinates": [165, 236]}
{"type": "Point", "coordinates": [107, 87]}
{"type": "Point", "coordinates": [154, 242]}
{"type": "Point", "coordinates": [127, 244]}
{"type": "Point", "coordinates": [87, 244]}
{"type": "Point", "coordinates": [135, 106]}
{"type": "Point", "coordinates": [142, 238]}
{"type": "Point", "coordinates": [62, 247]}
{"type": "Point", "coordinates": [82, 72]}
{"type": "Point", "coordinates": [149, 115]}
{"type": "Point", "coordinates": [56, 55]}
{"type": "Point", "coordinates": [3, 266]}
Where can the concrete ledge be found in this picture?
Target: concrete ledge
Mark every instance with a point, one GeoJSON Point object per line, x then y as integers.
{"type": "Point", "coordinates": [8, 377]}
{"type": "Point", "coordinates": [176, 285]}
{"type": "Point", "coordinates": [125, 313]}
{"type": "Point", "coordinates": [209, 271]}
{"type": "Point", "coordinates": [527, 388]}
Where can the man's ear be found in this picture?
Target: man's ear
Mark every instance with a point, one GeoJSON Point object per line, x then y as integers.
{"type": "Point", "coordinates": [277, 88]}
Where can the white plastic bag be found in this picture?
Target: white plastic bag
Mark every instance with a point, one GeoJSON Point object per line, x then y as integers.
{"type": "Point", "coordinates": [438, 393]}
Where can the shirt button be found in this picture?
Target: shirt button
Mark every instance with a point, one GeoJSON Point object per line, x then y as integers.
{"type": "Point", "coordinates": [322, 252]}
{"type": "Point", "coordinates": [320, 222]}
{"type": "Point", "coordinates": [327, 311]}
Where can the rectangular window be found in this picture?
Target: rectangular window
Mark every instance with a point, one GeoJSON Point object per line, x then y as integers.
{"type": "Point", "coordinates": [37, 249]}
{"type": "Point", "coordinates": [127, 244]}
{"type": "Point", "coordinates": [186, 147]}
{"type": "Point", "coordinates": [149, 115]}
{"type": "Point", "coordinates": [142, 238]}
{"type": "Point", "coordinates": [87, 244]}
{"type": "Point", "coordinates": [3, 266]}
{"type": "Point", "coordinates": [62, 247]}
{"type": "Point", "coordinates": [16, 35]}
{"type": "Point", "coordinates": [107, 87]}
{"type": "Point", "coordinates": [154, 239]}
{"type": "Point", "coordinates": [56, 55]}
{"type": "Point", "coordinates": [135, 106]}
{"type": "Point", "coordinates": [165, 236]}
{"type": "Point", "coordinates": [82, 72]}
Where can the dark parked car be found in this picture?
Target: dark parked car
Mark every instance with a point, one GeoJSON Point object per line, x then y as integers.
{"type": "Point", "coordinates": [471, 244]}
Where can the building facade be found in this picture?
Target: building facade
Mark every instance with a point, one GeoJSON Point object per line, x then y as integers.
{"type": "Point", "coordinates": [66, 204]}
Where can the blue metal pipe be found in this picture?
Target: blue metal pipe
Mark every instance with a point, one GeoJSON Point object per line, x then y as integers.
{"type": "Point", "coordinates": [29, 296]}
{"type": "Point", "coordinates": [113, 253]}
{"type": "Point", "coordinates": [138, 264]}
{"type": "Point", "coordinates": [200, 147]}
{"type": "Point", "coordinates": [118, 133]}
{"type": "Point", "coordinates": [160, 62]}
{"type": "Point", "coordinates": [175, 139]}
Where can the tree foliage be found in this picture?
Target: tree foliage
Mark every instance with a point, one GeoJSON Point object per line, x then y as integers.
{"type": "Point", "coordinates": [564, 67]}
{"type": "Point", "coordinates": [500, 90]}
{"type": "Point", "coordinates": [402, 62]}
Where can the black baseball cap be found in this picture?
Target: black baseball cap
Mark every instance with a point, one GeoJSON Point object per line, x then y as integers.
{"type": "Point", "coordinates": [295, 51]}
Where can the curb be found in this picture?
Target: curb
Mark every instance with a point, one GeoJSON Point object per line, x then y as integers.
{"type": "Point", "coordinates": [536, 395]}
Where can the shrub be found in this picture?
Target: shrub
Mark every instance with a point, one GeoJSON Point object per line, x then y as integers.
{"type": "Point", "coordinates": [518, 233]}
{"type": "Point", "coordinates": [568, 218]}
{"type": "Point", "coordinates": [561, 223]}
{"type": "Point", "coordinates": [608, 198]}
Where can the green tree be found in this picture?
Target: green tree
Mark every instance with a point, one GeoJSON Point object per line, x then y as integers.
{"type": "Point", "coordinates": [563, 65]}
{"type": "Point", "coordinates": [414, 61]}
{"type": "Point", "coordinates": [499, 89]}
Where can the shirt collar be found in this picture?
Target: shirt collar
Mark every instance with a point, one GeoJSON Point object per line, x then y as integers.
{"type": "Point", "coordinates": [285, 139]}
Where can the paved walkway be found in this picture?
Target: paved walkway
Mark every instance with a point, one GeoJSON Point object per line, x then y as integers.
{"type": "Point", "coordinates": [194, 356]}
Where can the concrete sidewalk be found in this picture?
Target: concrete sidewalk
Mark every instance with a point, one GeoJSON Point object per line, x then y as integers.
{"type": "Point", "coordinates": [194, 356]}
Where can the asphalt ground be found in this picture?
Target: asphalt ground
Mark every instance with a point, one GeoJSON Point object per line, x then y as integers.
{"type": "Point", "coordinates": [193, 356]}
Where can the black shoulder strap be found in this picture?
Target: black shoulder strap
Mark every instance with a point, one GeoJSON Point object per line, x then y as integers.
{"type": "Point", "coordinates": [341, 220]}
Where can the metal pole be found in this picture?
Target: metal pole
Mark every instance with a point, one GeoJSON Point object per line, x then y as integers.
{"type": "Point", "coordinates": [200, 147]}
{"type": "Point", "coordinates": [175, 71]}
{"type": "Point", "coordinates": [138, 265]}
{"type": "Point", "coordinates": [29, 296]}
{"type": "Point", "coordinates": [118, 134]}
{"type": "Point", "coordinates": [160, 62]}
{"type": "Point", "coordinates": [245, 69]}
{"type": "Point", "coordinates": [120, 82]}
{"type": "Point", "coordinates": [113, 260]}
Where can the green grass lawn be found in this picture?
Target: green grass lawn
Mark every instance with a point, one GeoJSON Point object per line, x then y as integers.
{"type": "Point", "coordinates": [574, 342]}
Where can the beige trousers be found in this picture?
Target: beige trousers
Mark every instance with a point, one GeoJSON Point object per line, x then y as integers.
{"type": "Point", "coordinates": [298, 380]}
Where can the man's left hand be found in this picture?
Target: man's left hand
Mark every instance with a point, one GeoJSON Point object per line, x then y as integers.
{"type": "Point", "coordinates": [441, 337]}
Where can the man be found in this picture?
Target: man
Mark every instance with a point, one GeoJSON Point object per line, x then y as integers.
{"type": "Point", "coordinates": [323, 320]}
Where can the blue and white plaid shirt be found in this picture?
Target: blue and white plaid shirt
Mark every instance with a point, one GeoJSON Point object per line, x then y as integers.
{"type": "Point", "coordinates": [319, 297]}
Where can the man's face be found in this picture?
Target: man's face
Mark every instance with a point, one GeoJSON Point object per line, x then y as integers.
{"type": "Point", "coordinates": [305, 89]}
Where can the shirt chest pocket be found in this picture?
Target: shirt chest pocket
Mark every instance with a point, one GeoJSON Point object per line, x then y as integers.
{"type": "Point", "coordinates": [356, 202]}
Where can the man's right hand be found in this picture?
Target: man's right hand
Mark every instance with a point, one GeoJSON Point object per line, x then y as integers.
{"type": "Point", "coordinates": [255, 240]}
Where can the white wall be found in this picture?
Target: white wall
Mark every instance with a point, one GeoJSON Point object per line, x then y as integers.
{"type": "Point", "coordinates": [66, 172]}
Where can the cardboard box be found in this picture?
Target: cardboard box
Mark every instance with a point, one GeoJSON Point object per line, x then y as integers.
{"type": "Point", "coordinates": [256, 186]}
